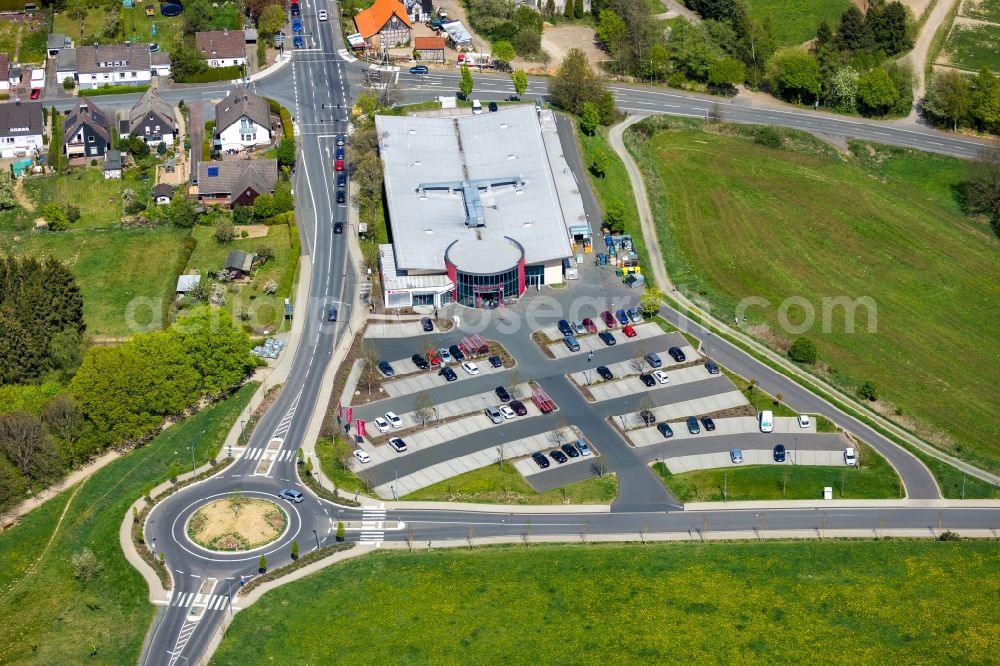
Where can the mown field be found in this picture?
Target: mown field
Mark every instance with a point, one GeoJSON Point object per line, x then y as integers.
{"type": "Point", "coordinates": [838, 603]}
{"type": "Point", "coordinates": [50, 617]}
{"type": "Point", "coordinates": [796, 21]}
{"type": "Point", "coordinates": [984, 10]}
{"type": "Point", "coordinates": [973, 47]}
{"type": "Point", "coordinates": [738, 219]}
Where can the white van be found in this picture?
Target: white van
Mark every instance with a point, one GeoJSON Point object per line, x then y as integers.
{"type": "Point", "coordinates": [477, 108]}
{"type": "Point", "coordinates": [766, 421]}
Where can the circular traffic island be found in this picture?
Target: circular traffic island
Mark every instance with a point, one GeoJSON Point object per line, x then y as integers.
{"type": "Point", "coordinates": [237, 523]}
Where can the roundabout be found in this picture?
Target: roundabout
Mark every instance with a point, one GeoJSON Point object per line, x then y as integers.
{"type": "Point", "coordinates": [236, 524]}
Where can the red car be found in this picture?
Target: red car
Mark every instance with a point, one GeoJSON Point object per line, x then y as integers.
{"type": "Point", "coordinates": [609, 319]}
{"type": "Point", "coordinates": [339, 165]}
{"type": "Point", "coordinates": [36, 93]}
{"type": "Point", "coordinates": [589, 324]}
{"type": "Point", "coordinates": [629, 331]}
{"type": "Point", "coordinates": [434, 358]}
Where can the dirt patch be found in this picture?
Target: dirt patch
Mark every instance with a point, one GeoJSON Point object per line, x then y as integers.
{"type": "Point", "coordinates": [558, 40]}
{"type": "Point", "coordinates": [253, 230]}
{"type": "Point", "coordinates": [916, 6]}
{"type": "Point", "coordinates": [22, 197]}
{"type": "Point", "coordinates": [237, 523]}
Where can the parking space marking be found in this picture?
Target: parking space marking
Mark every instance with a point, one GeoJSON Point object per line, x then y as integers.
{"type": "Point", "coordinates": [683, 409]}
{"type": "Point", "coordinates": [625, 382]}
{"type": "Point", "coordinates": [736, 425]}
{"type": "Point", "coordinates": [682, 464]}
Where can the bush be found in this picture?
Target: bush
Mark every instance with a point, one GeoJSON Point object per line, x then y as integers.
{"type": "Point", "coordinates": [768, 136]}
{"type": "Point", "coordinates": [210, 74]}
{"type": "Point", "coordinates": [86, 566]}
{"type": "Point", "coordinates": [868, 390]}
{"type": "Point", "coordinates": [262, 563]}
{"type": "Point", "coordinates": [803, 350]}
{"type": "Point", "coordinates": [68, 83]}
{"type": "Point", "coordinates": [224, 231]}
{"type": "Point", "coordinates": [113, 90]}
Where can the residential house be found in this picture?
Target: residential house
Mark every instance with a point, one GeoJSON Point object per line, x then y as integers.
{"type": "Point", "coordinates": [56, 42]}
{"type": "Point", "coordinates": [113, 164]}
{"type": "Point", "coordinates": [151, 119]}
{"type": "Point", "coordinates": [239, 263]}
{"type": "Point", "coordinates": [242, 121]}
{"type": "Point", "coordinates": [384, 25]}
{"type": "Point", "coordinates": [66, 65]}
{"type": "Point", "coordinates": [431, 49]}
{"type": "Point", "coordinates": [119, 64]}
{"type": "Point", "coordinates": [162, 195]}
{"type": "Point", "coordinates": [21, 128]}
{"type": "Point", "coordinates": [86, 131]}
{"type": "Point", "coordinates": [222, 48]}
{"type": "Point", "coordinates": [236, 181]}
{"type": "Point", "coordinates": [4, 73]}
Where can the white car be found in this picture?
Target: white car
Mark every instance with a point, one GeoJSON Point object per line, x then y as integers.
{"type": "Point", "coordinates": [321, 14]}
{"type": "Point", "coordinates": [661, 376]}
{"type": "Point", "coordinates": [392, 418]}
{"type": "Point", "coordinates": [362, 456]}
{"type": "Point", "coordinates": [470, 368]}
{"type": "Point", "coordinates": [850, 457]}
{"type": "Point", "coordinates": [804, 421]}
{"type": "Point", "coordinates": [507, 412]}
{"type": "Point", "coordinates": [382, 424]}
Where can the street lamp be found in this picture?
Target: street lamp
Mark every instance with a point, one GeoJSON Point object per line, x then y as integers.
{"type": "Point", "coordinates": [317, 539]}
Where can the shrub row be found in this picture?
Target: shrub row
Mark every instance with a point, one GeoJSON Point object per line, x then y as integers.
{"type": "Point", "coordinates": [210, 74]}
{"type": "Point", "coordinates": [306, 559]}
{"type": "Point", "coordinates": [113, 90]}
{"type": "Point", "coordinates": [286, 117]}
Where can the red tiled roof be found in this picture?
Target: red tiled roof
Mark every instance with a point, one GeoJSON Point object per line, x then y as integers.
{"type": "Point", "coordinates": [370, 21]}
{"type": "Point", "coordinates": [428, 43]}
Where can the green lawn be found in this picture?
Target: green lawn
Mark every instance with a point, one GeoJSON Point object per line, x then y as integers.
{"type": "Point", "coordinates": [138, 27]}
{"type": "Point", "coordinates": [796, 21]}
{"type": "Point", "coordinates": [8, 36]}
{"type": "Point", "coordinates": [329, 453]}
{"type": "Point", "coordinates": [99, 198]}
{"type": "Point", "coordinates": [984, 10]}
{"type": "Point", "coordinates": [50, 617]}
{"type": "Point", "coordinates": [740, 220]}
{"type": "Point", "coordinates": [731, 603]}
{"type": "Point", "coordinates": [874, 479]}
{"type": "Point", "coordinates": [114, 269]}
{"type": "Point", "coordinates": [493, 486]}
{"type": "Point", "coordinates": [974, 47]}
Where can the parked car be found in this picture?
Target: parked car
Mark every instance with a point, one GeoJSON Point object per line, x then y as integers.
{"type": "Point", "coordinates": [341, 139]}
{"type": "Point", "coordinates": [341, 180]}
{"type": "Point", "coordinates": [507, 412]}
{"type": "Point", "coordinates": [471, 368]}
{"type": "Point", "coordinates": [386, 369]}
{"type": "Point", "coordinates": [629, 331]}
{"type": "Point", "coordinates": [445, 355]}
{"type": "Point", "coordinates": [712, 367]}
{"type": "Point", "coordinates": [605, 372]}
{"type": "Point", "coordinates": [708, 423]}
{"type": "Point", "coordinates": [589, 324]}
{"type": "Point", "coordinates": [540, 460]}
{"type": "Point", "coordinates": [633, 315]}
{"type": "Point", "coordinates": [427, 324]}
{"type": "Point", "coordinates": [382, 425]}
{"type": "Point", "coordinates": [647, 379]}
{"type": "Point", "coordinates": [779, 453]}
{"type": "Point", "coordinates": [448, 374]}
{"type": "Point", "coordinates": [296, 25]}
{"type": "Point", "coordinates": [502, 393]}
{"type": "Point", "coordinates": [394, 419]}
{"type": "Point", "coordinates": [495, 361]}
{"type": "Point", "coordinates": [571, 343]}
{"type": "Point", "coordinates": [647, 417]}
{"type": "Point", "coordinates": [456, 353]}
{"type": "Point", "coordinates": [362, 456]}
{"type": "Point", "coordinates": [653, 359]}
{"type": "Point", "coordinates": [398, 444]}
{"type": "Point", "coordinates": [518, 407]}
{"type": "Point", "coordinates": [570, 450]}
{"type": "Point", "coordinates": [660, 376]}
{"type": "Point", "coordinates": [296, 10]}
{"type": "Point", "coordinates": [331, 313]}
{"type": "Point", "coordinates": [36, 93]}
{"type": "Point", "coordinates": [338, 227]}
{"type": "Point", "coordinates": [419, 69]}
{"type": "Point", "coordinates": [804, 421]}
{"type": "Point", "coordinates": [493, 107]}
{"type": "Point", "coordinates": [338, 165]}
{"type": "Point", "coordinates": [665, 429]}
{"type": "Point", "coordinates": [341, 197]}
{"type": "Point", "coordinates": [736, 455]}
{"type": "Point", "coordinates": [850, 457]}
{"type": "Point", "coordinates": [322, 15]}
{"type": "Point", "coordinates": [559, 456]}
{"type": "Point", "coordinates": [693, 426]}
{"type": "Point", "coordinates": [608, 319]}
{"type": "Point", "coordinates": [621, 317]}
{"type": "Point", "coordinates": [584, 449]}
{"type": "Point", "coordinates": [339, 154]}
{"type": "Point", "coordinates": [677, 354]}
{"type": "Point", "coordinates": [608, 338]}
{"type": "Point", "coordinates": [434, 357]}
{"type": "Point", "coordinates": [291, 495]}
{"type": "Point", "coordinates": [420, 361]}
{"type": "Point", "coordinates": [578, 328]}
{"type": "Point", "coordinates": [564, 327]}
{"type": "Point", "coordinates": [493, 414]}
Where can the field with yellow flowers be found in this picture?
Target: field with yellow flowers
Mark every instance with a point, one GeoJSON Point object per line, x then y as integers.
{"type": "Point", "coordinates": [824, 602]}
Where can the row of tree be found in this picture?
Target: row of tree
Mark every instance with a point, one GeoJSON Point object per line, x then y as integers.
{"type": "Point", "coordinates": [956, 99]}
{"type": "Point", "coordinates": [511, 30]}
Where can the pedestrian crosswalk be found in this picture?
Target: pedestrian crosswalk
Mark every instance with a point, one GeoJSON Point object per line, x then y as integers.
{"type": "Point", "coordinates": [346, 56]}
{"type": "Point", "coordinates": [256, 453]}
{"type": "Point", "coordinates": [373, 526]}
{"type": "Point", "coordinates": [185, 600]}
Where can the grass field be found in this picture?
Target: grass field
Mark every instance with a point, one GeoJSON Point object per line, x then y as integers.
{"type": "Point", "coordinates": [50, 617]}
{"type": "Point", "coordinates": [796, 21]}
{"type": "Point", "coordinates": [974, 47]}
{"type": "Point", "coordinates": [874, 479]}
{"type": "Point", "coordinates": [112, 268]}
{"type": "Point", "coordinates": [739, 219]}
{"type": "Point", "coordinates": [493, 486]}
{"type": "Point", "coordinates": [99, 199]}
{"type": "Point", "coordinates": [329, 452]}
{"type": "Point", "coordinates": [138, 27]}
{"type": "Point", "coordinates": [984, 10]}
{"type": "Point", "coordinates": [840, 603]}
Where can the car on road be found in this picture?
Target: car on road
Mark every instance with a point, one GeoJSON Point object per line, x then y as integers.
{"type": "Point", "coordinates": [362, 456]}
{"type": "Point", "coordinates": [393, 418]}
{"type": "Point", "coordinates": [296, 25]}
{"type": "Point", "coordinates": [584, 449]}
{"type": "Point", "coordinates": [736, 455]}
{"type": "Point", "coordinates": [578, 328]}
{"type": "Point", "coordinates": [340, 153]}
{"type": "Point", "coordinates": [540, 460]}
{"type": "Point", "coordinates": [426, 324]}
{"type": "Point", "coordinates": [677, 354]}
{"type": "Point", "coordinates": [507, 412]}
{"type": "Point", "coordinates": [470, 367]}
{"type": "Point", "coordinates": [331, 313]}
{"type": "Point", "coordinates": [608, 338]}
{"type": "Point", "coordinates": [322, 15]}
{"type": "Point", "coordinates": [621, 316]}
{"type": "Point", "coordinates": [448, 374]}
{"type": "Point", "coordinates": [653, 359]}
{"type": "Point", "coordinates": [386, 369]}
{"type": "Point", "coordinates": [341, 139]}
{"type": "Point", "coordinates": [338, 227]}
{"type": "Point", "coordinates": [629, 331]}
{"type": "Point", "coordinates": [291, 495]}
{"type": "Point", "coordinates": [665, 429]}
{"type": "Point", "coordinates": [633, 315]}
{"type": "Point", "coordinates": [660, 376]}
{"type": "Point", "coordinates": [493, 107]}
{"type": "Point", "coordinates": [605, 372]}
{"type": "Point", "coordinates": [398, 444]}
{"type": "Point", "coordinates": [456, 353]}
{"type": "Point", "coordinates": [495, 361]}
{"type": "Point", "coordinates": [518, 407]}
{"type": "Point", "coordinates": [608, 319]}
{"type": "Point", "coordinates": [693, 426]}
{"type": "Point", "coordinates": [589, 324]}
{"type": "Point", "coordinates": [341, 180]}
{"type": "Point", "coordinates": [564, 327]}
{"type": "Point", "coordinates": [338, 165]}
{"type": "Point", "coordinates": [647, 379]}
{"type": "Point", "coordinates": [570, 450]}
{"type": "Point", "coordinates": [445, 355]}
{"type": "Point", "coordinates": [298, 42]}
{"type": "Point", "coordinates": [493, 414]}
{"type": "Point", "coordinates": [382, 424]}
{"type": "Point", "coordinates": [647, 417]}
{"type": "Point", "coordinates": [419, 69]}
{"type": "Point", "coordinates": [804, 421]}
{"type": "Point", "coordinates": [712, 367]}
{"type": "Point", "coordinates": [708, 423]}
{"type": "Point", "coordinates": [502, 393]}
{"type": "Point", "coordinates": [850, 457]}
{"type": "Point", "coordinates": [296, 10]}
{"type": "Point", "coordinates": [559, 456]}
{"type": "Point", "coordinates": [779, 453]}
{"type": "Point", "coordinates": [341, 197]}
{"type": "Point", "coordinates": [420, 361]}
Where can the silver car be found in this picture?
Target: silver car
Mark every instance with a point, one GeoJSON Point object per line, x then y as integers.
{"type": "Point", "coordinates": [494, 414]}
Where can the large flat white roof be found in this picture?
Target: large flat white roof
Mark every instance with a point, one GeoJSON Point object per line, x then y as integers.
{"type": "Point", "coordinates": [490, 146]}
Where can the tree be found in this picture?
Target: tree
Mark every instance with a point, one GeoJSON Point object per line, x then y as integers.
{"type": "Point", "coordinates": [877, 92]}
{"type": "Point", "coordinates": [852, 34]}
{"type": "Point", "coordinates": [611, 31]}
{"type": "Point", "coordinates": [513, 386]}
{"type": "Point", "coordinates": [68, 83]}
{"type": "Point", "coordinates": [55, 216]}
{"type": "Point", "coordinates": [986, 100]}
{"type": "Point", "coordinates": [527, 41]}
{"type": "Point", "coordinates": [341, 532]}
{"type": "Point", "coordinates": [86, 566]}
{"type": "Point", "coordinates": [181, 210]}
{"type": "Point", "coordinates": [265, 253]}
{"type": "Point", "coordinates": [550, 7]}
{"type": "Point", "coordinates": [503, 53]}
{"type": "Point", "coordinates": [263, 207]}
{"type": "Point", "coordinates": [271, 19]}
{"type": "Point", "coordinates": [520, 81]}
{"type": "Point", "coordinates": [803, 350]}
{"type": "Point", "coordinates": [844, 89]}
{"type": "Point", "coordinates": [577, 9]}
{"type": "Point", "coordinates": [7, 199]}
{"type": "Point", "coordinates": [186, 60]}
{"type": "Point", "coordinates": [26, 445]}
{"type": "Point", "coordinates": [262, 564]}
{"type": "Point", "coordinates": [423, 407]}
{"type": "Point", "coordinates": [599, 164]}
{"type": "Point", "coordinates": [286, 153]}
{"type": "Point", "coordinates": [295, 550]}
{"type": "Point", "coordinates": [615, 215]}
{"type": "Point", "coordinates": [466, 84]}
{"type": "Point", "coordinates": [726, 72]}
{"type": "Point", "coordinates": [369, 372]}
{"type": "Point", "coordinates": [794, 74]}
{"type": "Point", "coordinates": [73, 211]}
{"type": "Point", "coordinates": [575, 83]}
{"type": "Point", "coordinates": [568, 9]}
{"type": "Point", "coordinates": [224, 231]}
{"type": "Point", "coordinates": [63, 418]}
{"type": "Point", "coordinates": [982, 184]}
{"type": "Point", "coordinates": [650, 301]}
{"type": "Point", "coordinates": [589, 119]}
{"type": "Point", "coordinates": [886, 24]}
{"type": "Point", "coordinates": [949, 97]}
{"type": "Point", "coordinates": [868, 390]}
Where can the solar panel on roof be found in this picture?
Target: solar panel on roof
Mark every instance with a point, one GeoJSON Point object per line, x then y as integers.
{"type": "Point", "coordinates": [213, 171]}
